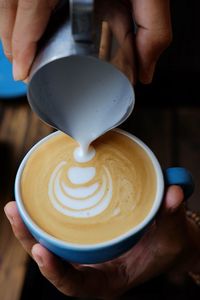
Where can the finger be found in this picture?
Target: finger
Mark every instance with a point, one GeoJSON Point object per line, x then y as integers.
{"type": "Point", "coordinates": [7, 18]}
{"type": "Point", "coordinates": [77, 282]}
{"type": "Point", "coordinates": [153, 35]}
{"type": "Point", "coordinates": [120, 21]}
{"type": "Point", "coordinates": [18, 227]}
{"type": "Point", "coordinates": [62, 275]}
{"type": "Point", "coordinates": [172, 206]}
{"type": "Point", "coordinates": [173, 199]}
{"type": "Point", "coordinates": [119, 60]}
{"type": "Point", "coordinates": [31, 21]}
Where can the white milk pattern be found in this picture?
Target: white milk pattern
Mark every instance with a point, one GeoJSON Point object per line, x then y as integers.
{"type": "Point", "coordinates": [80, 202]}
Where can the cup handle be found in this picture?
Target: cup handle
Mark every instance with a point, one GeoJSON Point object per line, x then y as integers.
{"type": "Point", "coordinates": [182, 177]}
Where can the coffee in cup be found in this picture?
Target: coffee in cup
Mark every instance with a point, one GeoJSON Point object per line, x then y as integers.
{"type": "Point", "coordinates": [91, 200]}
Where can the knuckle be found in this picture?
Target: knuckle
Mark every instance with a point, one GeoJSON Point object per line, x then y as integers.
{"type": "Point", "coordinates": [21, 237]}
{"type": "Point", "coordinates": [20, 233]}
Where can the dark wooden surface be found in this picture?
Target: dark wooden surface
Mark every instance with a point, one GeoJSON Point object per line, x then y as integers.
{"type": "Point", "coordinates": [19, 130]}
{"type": "Point", "coordinates": [171, 132]}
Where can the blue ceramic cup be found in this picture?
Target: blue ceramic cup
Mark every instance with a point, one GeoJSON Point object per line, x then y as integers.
{"type": "Point", "coordinates": [101, 252]}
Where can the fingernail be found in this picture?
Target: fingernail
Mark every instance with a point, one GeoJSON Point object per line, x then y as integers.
{"type": "Point", "coordinates": [38, 259]}
{"type": "Point", "coordinates": [17, 73]}
{"type": "Point", "coordinates": [10, 218]}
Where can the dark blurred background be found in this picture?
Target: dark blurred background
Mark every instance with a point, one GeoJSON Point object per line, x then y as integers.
{"type": "Point", "coordinates": [177, 76]}
{"type": "Point", "coordinates": [170, 105]}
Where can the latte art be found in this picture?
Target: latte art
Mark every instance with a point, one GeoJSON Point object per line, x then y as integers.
{"type": "Point", "coordinates": [80, 201]}
{"type": "Point", "coordinates": [88, 201]}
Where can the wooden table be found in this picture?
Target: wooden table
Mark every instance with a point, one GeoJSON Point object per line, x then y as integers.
{"type": "Point", "coordinates": [19, 130]}
{"type": "Point", "coordinates": [173, 134]}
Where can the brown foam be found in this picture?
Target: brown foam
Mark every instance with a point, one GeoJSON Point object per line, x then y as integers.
{"type": "Point", "coordinates": [134, 188]}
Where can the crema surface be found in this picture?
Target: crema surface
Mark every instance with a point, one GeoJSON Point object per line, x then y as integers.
{"type": "Point", "coordinates": [91, 201]}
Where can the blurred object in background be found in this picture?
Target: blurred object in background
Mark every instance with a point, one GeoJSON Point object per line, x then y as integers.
{"type": "Point", "coordinates": [9, 89]}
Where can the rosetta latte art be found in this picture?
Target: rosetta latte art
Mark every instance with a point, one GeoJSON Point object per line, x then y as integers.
{"type": "Point", "coordinates": [81, 201]}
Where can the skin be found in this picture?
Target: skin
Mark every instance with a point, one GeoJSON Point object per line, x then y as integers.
{"type": "Point", "coordinates": [22, 23]}
{"type": "Point", "coordinates": [170, 245]}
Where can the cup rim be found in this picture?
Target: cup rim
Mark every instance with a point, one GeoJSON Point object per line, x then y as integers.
{"type": "Point", "coordinates": [156, 204]}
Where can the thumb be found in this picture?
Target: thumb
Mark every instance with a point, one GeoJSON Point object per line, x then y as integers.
{"type": "Point", "coordinates": [64, 276]}
{"type": "Point", "coordinates": [172, 206]}
{"type": "Point", "coordinates": [173, 199]}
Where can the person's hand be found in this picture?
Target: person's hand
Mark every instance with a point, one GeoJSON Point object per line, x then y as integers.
{"type": "Point", "coordinates": [22, 23]}
{"type": "Point", "coordinates": [170, 241]}
{"type": "Point", "coordinates": [153, 35]}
